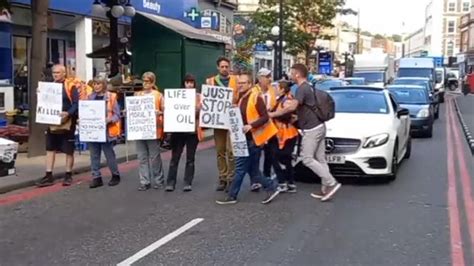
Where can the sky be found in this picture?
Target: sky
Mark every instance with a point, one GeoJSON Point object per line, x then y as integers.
{"type": "Point", "coordinates": [387, 16]}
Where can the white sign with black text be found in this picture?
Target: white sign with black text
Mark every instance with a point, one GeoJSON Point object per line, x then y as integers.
{"type": "Point", "coordinates": [180, 110]}
{"type": "Point", "coordinates": [92, 121]}
{"type": "Point", "coordinates": [216, 102]}
{"type": "Point", "coordinates": [50, 103]}
{"type": "Point", "coordinates": [237, 136]}
{"type": "Point", "coordinates": [141, 117]}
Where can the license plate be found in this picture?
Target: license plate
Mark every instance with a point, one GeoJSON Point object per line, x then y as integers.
{"type": "Point", "coordinates": [336, 159]}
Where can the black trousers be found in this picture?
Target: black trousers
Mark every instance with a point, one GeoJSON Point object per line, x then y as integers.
{"type": "Point", "coordinates": [178, 141]}
{"type": "Point", "coordinates": [268, 160]}
{"type": "Point", "coordinates": [283, 157]}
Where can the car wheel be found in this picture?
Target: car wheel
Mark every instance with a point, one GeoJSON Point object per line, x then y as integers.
{"type": "Point", "coordinates": [408, 151]}
{"type": "Point", "coordinates": [393, 174]}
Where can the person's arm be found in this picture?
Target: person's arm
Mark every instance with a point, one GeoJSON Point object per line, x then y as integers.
{"type": "Point", "coordinates": [115, 114]}
{"type": "Point", "coordinates": [292, 104]}
{"type": "Point", "coordinates": [262, 111]}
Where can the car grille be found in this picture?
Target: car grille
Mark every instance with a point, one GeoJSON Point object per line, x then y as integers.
{"type": "Point", "coordinates": [341, 145]}
{"type": "Point", "coordinates": [348, 169]}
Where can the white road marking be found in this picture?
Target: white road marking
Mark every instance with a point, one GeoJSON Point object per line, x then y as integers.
{"type": "Point", "coordinates": [142, 253]}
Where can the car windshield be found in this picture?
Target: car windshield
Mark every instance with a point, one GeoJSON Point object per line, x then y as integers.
{"type": "Point", "coordinates": [370, 76]}
{"type": "Point", "coordinates": [415, 72]}
{"type": "Point", "coordinates": [360, 101]}
{"type": "Point", "coordinates": [410, 95]}
{"type": "Point", "coordinates": [360, 81]}
{"type": "Point", "coordinates": [419, 82]}
{"type": "Point", "coordinates": [328, 84]}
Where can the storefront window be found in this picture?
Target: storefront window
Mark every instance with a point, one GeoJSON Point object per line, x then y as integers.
{"type": "Point", "coordinates": [71, 58]}
{"type": "Point", "coordinates": [20, 65]}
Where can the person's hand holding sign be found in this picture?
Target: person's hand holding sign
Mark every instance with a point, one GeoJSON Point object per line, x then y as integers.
{"type": "Point", "coordinates": [247, 128]}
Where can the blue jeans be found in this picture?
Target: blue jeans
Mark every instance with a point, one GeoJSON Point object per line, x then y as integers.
{"type": "Point", "coordinates": [249, 165]}
{"type": "Point", "coordinates": [95, 152]}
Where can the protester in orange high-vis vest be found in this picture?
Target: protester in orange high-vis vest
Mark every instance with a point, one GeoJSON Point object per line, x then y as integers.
{"type": "Point", "coordinates": [100, 93]}
{"type": "Point", "coordinates": [225, 157]}
{"type": "Point", "coordinates": [61, 138]}
{"type": "Point", "coordinates": [148, 151]}
{"type": "Point", "coordinates": [284, 142]}
{"type": "Point", "coordinates": [189, 139]}
{"type": "Point", "coordinates": [258, 129]}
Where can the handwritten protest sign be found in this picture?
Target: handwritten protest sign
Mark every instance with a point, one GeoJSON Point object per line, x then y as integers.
{"type": "Point", "coordinates": [180, 110]}
{"type": "Point", "coordinates": [92, 121]}
{"type": "Point", "coordinates": [237, 136]}
{"type": "Point", "coordinates": [141, 117]}
{"type": "Point", "coordinates": [50, 103]}
{"type": "Point", "coordinates": [216, 101]}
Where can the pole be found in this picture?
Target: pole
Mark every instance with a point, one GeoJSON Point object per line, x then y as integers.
{"type": "Point", "coordinates": [275, 59]}
{"type": "Point", "coordinates": [280, 46]}
{"type": "Point", "coordinates": [358, 31]}
{"type": "Point", "coordinates": [113, 36]}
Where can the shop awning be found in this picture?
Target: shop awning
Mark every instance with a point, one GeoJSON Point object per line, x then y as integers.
{"type": "Point", "coordinates": [181, 28]}
{"type": "Point", "coordinates": [104, 52]}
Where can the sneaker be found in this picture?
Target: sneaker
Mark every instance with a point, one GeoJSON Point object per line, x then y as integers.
{"type": "Point", "coordinates": [169, 188]}
{"type": "Point", "coordinates": [318, 195]}
{"type": "Point", "coordinates": [67, 180]}
{"type": "Point", "coordinates": [221, 186]}
{"type": "Point", "coordinates": [270, 196]}
{"type": "Point", "coordinates": [291, 188]}
{"type": "Point", "coordinates": [115, 180]}
{"type": "Point", "coordinates": [283, 187]}
{"type": "Point", "coordinates": [273, 176]}
{"type": "Point", "coordinates": [187, 188]}
{"type": "Point", "coordinates": [331, 191]}
{"type": "Point", "coordinates": [46, 181]}
{"type": "Point", "coordinates": [227, 201]}
{"type": "Point", "coordinates": [96, 182]}
{"type": "Point", "coordinates": [158, 186]}
{"type": "Point", "coordinates": [144, 187]}
{"type": "Point", "coordinates": [255, 187]}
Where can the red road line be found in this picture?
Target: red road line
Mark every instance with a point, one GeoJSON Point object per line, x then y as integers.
{"type": "Point", "coordinates": [34, 192]}
{"type": "Point", "coordinates": [465, 176]}
{"type": "Point", "coordinates": [457, 252]}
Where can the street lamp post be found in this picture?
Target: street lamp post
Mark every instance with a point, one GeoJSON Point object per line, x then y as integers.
{"type": "Point", "coordinates": [114, 10]}
{"type": "Point", "coordinates": [280, 40]}
{"type": "Point", "coordinates": [347, 73]}
{"type": "Point", "coordinates": [277, 46]}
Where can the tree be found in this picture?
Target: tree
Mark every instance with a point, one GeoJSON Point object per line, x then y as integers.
{"type": "Point", "coordinates": [366, 33]}
{"type": "Point", "coordinates": [396, 38]}
{"type": "Point", "coordinates": [39, 10]}
{"type": "Point", "coordinates": [378, 37]}
{"type": "Point", "coordinates": [303, 21]}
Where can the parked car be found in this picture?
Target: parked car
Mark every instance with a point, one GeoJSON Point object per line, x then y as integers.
{"type": "Point", "coordinates": [327, 84]}
{"type": "Point", "coordinates": [421, 107]}
{"type": "Point", "coordinates": [355, 81]}
{"type": "Point", "coordinates": [434, 96]}
{"type": "Point", "coordinates": [370, 134]}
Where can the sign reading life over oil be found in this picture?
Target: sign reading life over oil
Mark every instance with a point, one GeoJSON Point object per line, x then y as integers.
{"type": "Point", "coordinates": [141, 118]}
{"type": "Point", "coordinates": [216, 102]}
{"type": "Point", "coordinates": [180, 110]}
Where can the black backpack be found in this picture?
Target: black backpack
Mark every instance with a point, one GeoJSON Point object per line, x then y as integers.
{"type": "Point", "coordinates": [325, 107]}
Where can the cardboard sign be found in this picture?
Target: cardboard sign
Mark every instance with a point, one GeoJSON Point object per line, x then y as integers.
{"type": "Point", "coordinates": [141, 117]}
{"type": "Point", "coordinates": [237, 136]}
{"type": "Point", "coordinates": [92, 121]}
{"type": "Point", "coordinates": [50, 103]}
{"type": "Point", "coordinates": [180, 110]}
{"type": "Point", "coordinates": [216, 102]}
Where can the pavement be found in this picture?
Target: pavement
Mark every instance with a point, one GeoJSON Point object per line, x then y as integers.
{"type": "Point", "coordinates": [422, 218]}
{"type": "Point", "coordinates": [465, 106]}
{"type": "Point", "coordinates": [28, 170]}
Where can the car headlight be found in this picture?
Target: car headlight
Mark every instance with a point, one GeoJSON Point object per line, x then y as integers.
{"type": "Point", "coordinates": [423, 113]}
{"type": "Point", "coordinates": [376, 141]}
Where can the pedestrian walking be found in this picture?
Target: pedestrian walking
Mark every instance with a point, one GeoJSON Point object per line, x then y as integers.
{"type": "Point", "coordinates": [258, 129]}
{"type": "Point", "coordinates": [283, 144]}
{"type": "Point", "coordinates": [113, 133]}
{"type": "Point", "coordinates": [62, 138]}
{"type": "Point", "coordinates": [313, 131]}
{"type": "Point", "coordinates": [225, 157]}
{"type": "Point", "coordinates": [148, 151]}
{"type": "Point", "coordinates": [179, 140]}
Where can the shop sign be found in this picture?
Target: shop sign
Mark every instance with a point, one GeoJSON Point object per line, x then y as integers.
{"type": "Point", "coordinates": [152, 5]}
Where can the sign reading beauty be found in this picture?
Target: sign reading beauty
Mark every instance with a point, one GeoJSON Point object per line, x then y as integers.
{"type": "Point", "coordinates": [180, 110]}
{"type": "Point", "coordinates": [141, 118]}
{"type": "Point", "coordinates": [50, 103]}
{"type": "Point", "coordinates": [216, 102]}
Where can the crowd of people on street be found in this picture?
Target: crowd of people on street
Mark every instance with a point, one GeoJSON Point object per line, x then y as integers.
{"type": "Point", "coordinates": [276, 119]}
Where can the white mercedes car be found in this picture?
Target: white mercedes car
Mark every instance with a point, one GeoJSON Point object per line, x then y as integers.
{"type": "Point", "coordinates": [370, 134]}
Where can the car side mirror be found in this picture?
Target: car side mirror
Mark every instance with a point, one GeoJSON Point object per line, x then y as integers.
{"type": "Point", "coordinates": [402, 112]}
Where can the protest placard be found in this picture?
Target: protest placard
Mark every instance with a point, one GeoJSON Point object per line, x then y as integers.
{"type": "Point", "coordinates": [180, 110]}
{"type": "Point", "coordinates": [50, 103]}
{"type": "Point", "coordinates": [141, 117]}
{"type": "Point", "coordinates": [237, 136]}
{"type": "Point", "coordinates": [92, 121]}
{"type": "Point", "coordinates": [216, 101]}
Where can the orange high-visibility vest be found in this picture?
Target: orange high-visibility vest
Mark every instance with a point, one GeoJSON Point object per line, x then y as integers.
{"type": "Point", "coordinates": [268, 130]}
{"type": "Point", "coordinates": [114, 128]}
{"type": "Point", "coordinates": [286, 131]}
{"type": "Point", "coordinates": [271, 94]}
{"type": "Point", "coordinates": [159, 120]}
{"type": "Point", "coordinates": [83, 89]}
{"type": "Point", "coordinates": [199, 131]}
{"type": "Point", "coordinates": [232, 84]}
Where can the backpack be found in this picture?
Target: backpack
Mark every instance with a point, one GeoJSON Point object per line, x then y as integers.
{"type": "Point", "coordinates": [324, 107]}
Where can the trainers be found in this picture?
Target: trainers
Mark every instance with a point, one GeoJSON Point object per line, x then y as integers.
{"type": "Point", "coordinates": [221, 186]}
{"type": "Point", "coordinates": [187, 188]}
{"type": "Point", "coordinates": [46, 181]}
{"type": "Point", "coordinates": [255, 187]}
{"type": "Point", "coordinates": [270, 196]}
{"type": "Point", "coordinates": [283, 187]}
{"type": "Point", "coordinates": [169, 188]}
{"type": "Point", "coordinates": [96, 182]}
{"type": "Point", "coordinates": [291, 188]}
{"type": "Point", "coordinates": [115, 180]}
{"type": "Point", "coordinates": [331, 191]}
{"type": "Point", "coordinates": [67, 180]}
{"type": "Point", "coordinates": [144, 187]}
{"type": "Point", "coordinates": [227, 201]}
{"type": "Point", "coordinates": [317, 195]}
{"type": "Point", "coordinates": [158, 186]}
